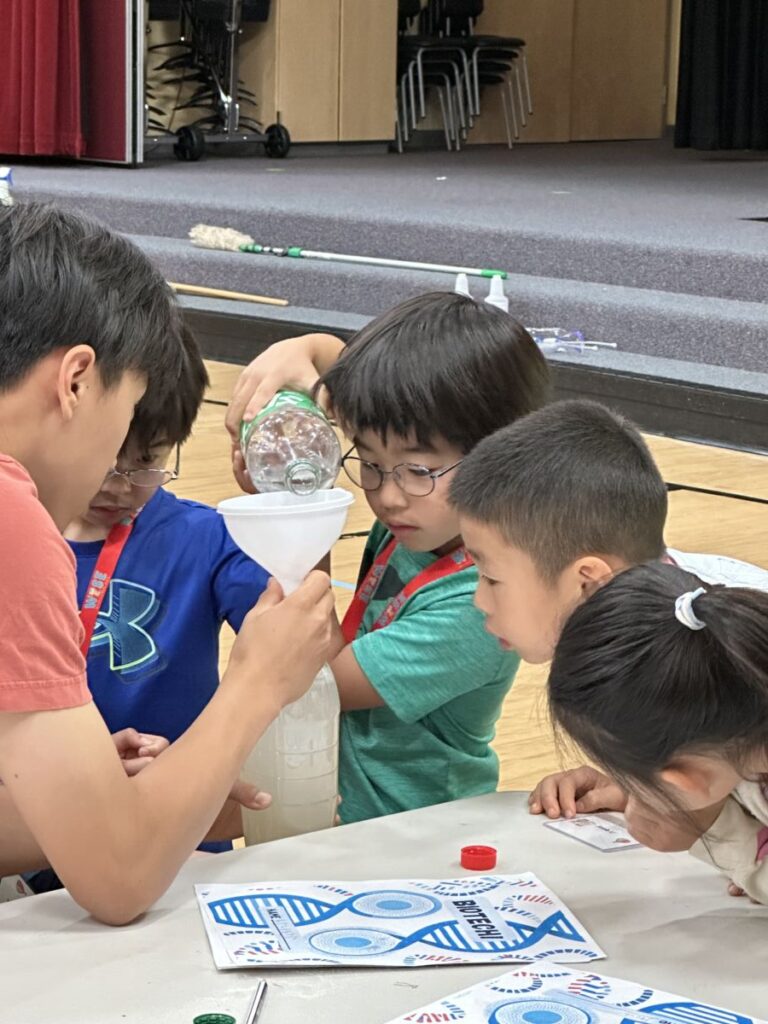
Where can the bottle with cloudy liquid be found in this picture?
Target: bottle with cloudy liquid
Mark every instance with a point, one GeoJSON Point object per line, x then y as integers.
{"type": "Point", "coordinates": [297, 760]}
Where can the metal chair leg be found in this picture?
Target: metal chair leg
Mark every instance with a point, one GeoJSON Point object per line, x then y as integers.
{"type": "Point", "coordinates": [445, 118]}
{"type": "Point", "coordinates": [452, 123]}
{"type": "Point", "coordinates": [459, 98]}
{"type": "Point", "coordinates": [412, 90]}
{"type": "Point", "coordinates": [420, 66]}
{"type": "Point", "coordinates": [507, 84]}
{"type": "Point", "coordinates": [404, 101]}
{"type": "Point", "coordinates": [504, 103]}
{"type": "Point", "coordinates": [527, 80]}
{"type": "Point", "coordinates": [523, 118]}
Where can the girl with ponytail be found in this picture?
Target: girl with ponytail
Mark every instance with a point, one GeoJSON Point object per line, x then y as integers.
{"type": "Point", "coordinates": [663, 682]}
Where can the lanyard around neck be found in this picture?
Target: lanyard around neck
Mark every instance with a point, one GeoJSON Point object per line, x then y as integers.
{"type": "Point", "coordinates": [101, 577]}
{"type": "Point", "coordinates": [447, 565]}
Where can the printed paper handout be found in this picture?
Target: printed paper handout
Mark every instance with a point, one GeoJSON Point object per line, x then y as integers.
{"type": "Point", "coordinates": [605, 832]}
{"type": "Point", "coordinates": [552, 995]}
{"type": "Point", "coordinates": [392, 923]}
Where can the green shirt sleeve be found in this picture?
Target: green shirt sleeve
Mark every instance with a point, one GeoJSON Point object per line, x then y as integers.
{"type": "Point", "coordinates": [437, 649]}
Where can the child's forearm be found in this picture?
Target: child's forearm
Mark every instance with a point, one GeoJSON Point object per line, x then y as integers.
{"type": "Point", "coordinates": [323, 350]}
{"type": "Point", "coordinates": [228, 824]}
{"type": "Point", "coordinates": [116, 843]}
{"type": "Point", "coordinates": [19, 850]}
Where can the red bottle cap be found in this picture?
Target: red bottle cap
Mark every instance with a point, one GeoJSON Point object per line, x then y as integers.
{"type": "Point", "coordinates": [478, 858]}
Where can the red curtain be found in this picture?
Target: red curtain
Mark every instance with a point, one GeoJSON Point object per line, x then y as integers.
{"type": "Point", "coordinates": [40, 108]}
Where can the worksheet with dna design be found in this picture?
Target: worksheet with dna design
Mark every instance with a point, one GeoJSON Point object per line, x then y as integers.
{"type": "Point", "coordinates": [392, 923]}
{"type": "Point", "coordinates": [556, 995]}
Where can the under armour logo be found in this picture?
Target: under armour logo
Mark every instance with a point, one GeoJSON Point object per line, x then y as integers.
{"type": "Point", "coordinates": [127, 607]}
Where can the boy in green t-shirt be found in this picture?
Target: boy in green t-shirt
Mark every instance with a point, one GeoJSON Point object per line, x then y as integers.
{"type": "Point", "coordinates": [421, 682]}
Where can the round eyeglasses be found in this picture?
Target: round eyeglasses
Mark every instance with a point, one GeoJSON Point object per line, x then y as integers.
{"type": "Point", "coordinates": [418, 481]}
{"type": "Point", "coordinates": [149, 477]}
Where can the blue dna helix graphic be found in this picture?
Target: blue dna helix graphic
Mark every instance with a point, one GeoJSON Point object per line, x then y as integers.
{"type": "Point", "coordinates": [566, 1008]}
{"type": "Point", "coordinates": [251, 911]}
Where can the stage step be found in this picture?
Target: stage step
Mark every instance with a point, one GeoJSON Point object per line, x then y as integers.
{"type": "Point", "coordinates": [656, 323]}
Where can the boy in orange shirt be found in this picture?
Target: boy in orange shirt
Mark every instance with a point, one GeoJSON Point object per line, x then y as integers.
{"type": "Point", "coordinates": [88, 328]}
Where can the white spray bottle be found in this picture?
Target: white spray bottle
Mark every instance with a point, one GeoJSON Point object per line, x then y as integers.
{"type": "Point", "coordinates": [496, 296]}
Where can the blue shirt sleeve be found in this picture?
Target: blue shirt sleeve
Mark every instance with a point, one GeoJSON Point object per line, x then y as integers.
{"type": "Point", "coordinates": [237, 581]}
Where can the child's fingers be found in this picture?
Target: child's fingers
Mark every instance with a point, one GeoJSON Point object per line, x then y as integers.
{"type": "Point", "coordinates": [127, 742]}
{"type": "Point", "coordinates": [601, 798]}
{"type": "Point", "coordinates": [265, 392]}
{"type": "Point", "coordinates": [133, 765]}
{"type": "Point", "coordinates": [250, 796]}
{"type": "Point", "coordinates": [271, 597]}
{"type": "Point", "coordinates": [565, 801]}
{"type": "Point", "coordinates": [591, 801]}
{"type": "Point", "coordinates": [236, 409]}
{"type": "Point", "coordinates": [542, 796]}
{"type": "Point", "coordinates": [240, 472]}
{"type": "Point", "coordinates": [151, 745]}
{"type": "Point", "coordinates": [548, 796]}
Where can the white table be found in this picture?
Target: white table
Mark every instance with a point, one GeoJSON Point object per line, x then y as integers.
{"type": "Point", "coordinates": [663, 919]}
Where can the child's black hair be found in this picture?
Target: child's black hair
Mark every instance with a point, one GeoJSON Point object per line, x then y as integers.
{"type": "Point", "coordinates": [569, 480]}
{"type": "Point", "coordinates": [635, 687]}
{"type": "Point", "coordinates": [438, 366]}
{"type": "Point", "coordinates": [65, 281]}
{"type": "Point", "coordinates": [170, 420]}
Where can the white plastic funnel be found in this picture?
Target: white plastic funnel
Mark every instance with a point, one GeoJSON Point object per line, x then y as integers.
{"type": "Point", "coordinates": [287, 533]}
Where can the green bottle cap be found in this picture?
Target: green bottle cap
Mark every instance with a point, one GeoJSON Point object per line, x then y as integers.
{"type": "Point", "coordinates": [214, 1018]}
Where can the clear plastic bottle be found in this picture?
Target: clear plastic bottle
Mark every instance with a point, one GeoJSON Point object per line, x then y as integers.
{"type": "Point", "coordinates": [290, 446]}
{"type": "Point", "coordinates": [296, 760]}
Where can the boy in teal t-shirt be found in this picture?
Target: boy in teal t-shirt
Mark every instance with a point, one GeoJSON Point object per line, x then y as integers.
{"type": "Point", "coordinates": [443, 679]}
{"type": "Point", "coordinates": [420, 680]}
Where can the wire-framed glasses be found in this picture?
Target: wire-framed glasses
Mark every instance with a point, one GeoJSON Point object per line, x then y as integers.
{"type": "Point", "coordinates": [149, 477]}
{"type": "Point", "coordinates": [418, 481]}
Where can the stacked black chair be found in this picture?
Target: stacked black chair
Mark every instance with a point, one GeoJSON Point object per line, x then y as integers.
{"type": "Point", "coordinates": [439, 49]}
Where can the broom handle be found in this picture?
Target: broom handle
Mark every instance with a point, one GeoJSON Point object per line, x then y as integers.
{"type": "Point", "coordinates": [220, 293]}
{"type": "Point", "coordinates": [296, 252]}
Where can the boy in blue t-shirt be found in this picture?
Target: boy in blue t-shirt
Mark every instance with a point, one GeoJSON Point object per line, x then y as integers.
{"type": "Point", "coordinates": [153, 655]}
{"type": "Point", "coordinates": [421, 681]}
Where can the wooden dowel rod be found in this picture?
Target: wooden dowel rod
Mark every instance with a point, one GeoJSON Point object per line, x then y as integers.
{"type": "Point", "coordinates": [220, 293]}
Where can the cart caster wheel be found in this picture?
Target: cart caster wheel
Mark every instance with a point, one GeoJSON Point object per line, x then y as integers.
{"type": "Point", "coordinates": [278, 141]}
{"type": "Point", "coordinates": [190, 144]}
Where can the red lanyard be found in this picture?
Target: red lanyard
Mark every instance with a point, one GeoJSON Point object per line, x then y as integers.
{"type": "Point", "coordinates": [454, 561]}
{"type": "Point", "coordinates": [102, 574]}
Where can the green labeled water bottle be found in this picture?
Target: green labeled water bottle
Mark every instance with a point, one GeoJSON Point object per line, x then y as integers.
{"type": "Point", "coordinates": [290, 446]}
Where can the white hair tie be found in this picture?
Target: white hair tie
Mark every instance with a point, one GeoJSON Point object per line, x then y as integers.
{"type": "Point", "coordinates": [684, 609]}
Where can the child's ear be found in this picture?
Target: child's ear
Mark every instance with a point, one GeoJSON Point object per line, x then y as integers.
{"type": "Point", "coordinates": [76, 370]}
{"type": "Point", "coordinates": [593, 571]}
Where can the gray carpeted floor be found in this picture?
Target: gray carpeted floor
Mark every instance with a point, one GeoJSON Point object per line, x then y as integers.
{"type": "Point", "coordinates": [633, 242]}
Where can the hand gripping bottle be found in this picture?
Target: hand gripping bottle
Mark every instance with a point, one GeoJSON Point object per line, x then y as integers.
{"type": "Point", "coordinates": [290, 446]}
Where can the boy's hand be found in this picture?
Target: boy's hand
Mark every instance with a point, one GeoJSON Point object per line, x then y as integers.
{"type": "Point", "coordinates": [289, 635]}
{"type": "Point", "coordinates": [137, 749]}
{"type": "Point", "coordinates": [577, 791]}
{"type": "Point", "coordinates": [229, 821]}
{"type": "Point", "coordinates": [295, 363]}
{"type": "Point", "coordinates": [250, 796]}
{"type": "Point", "coordinates": [669, 831]}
